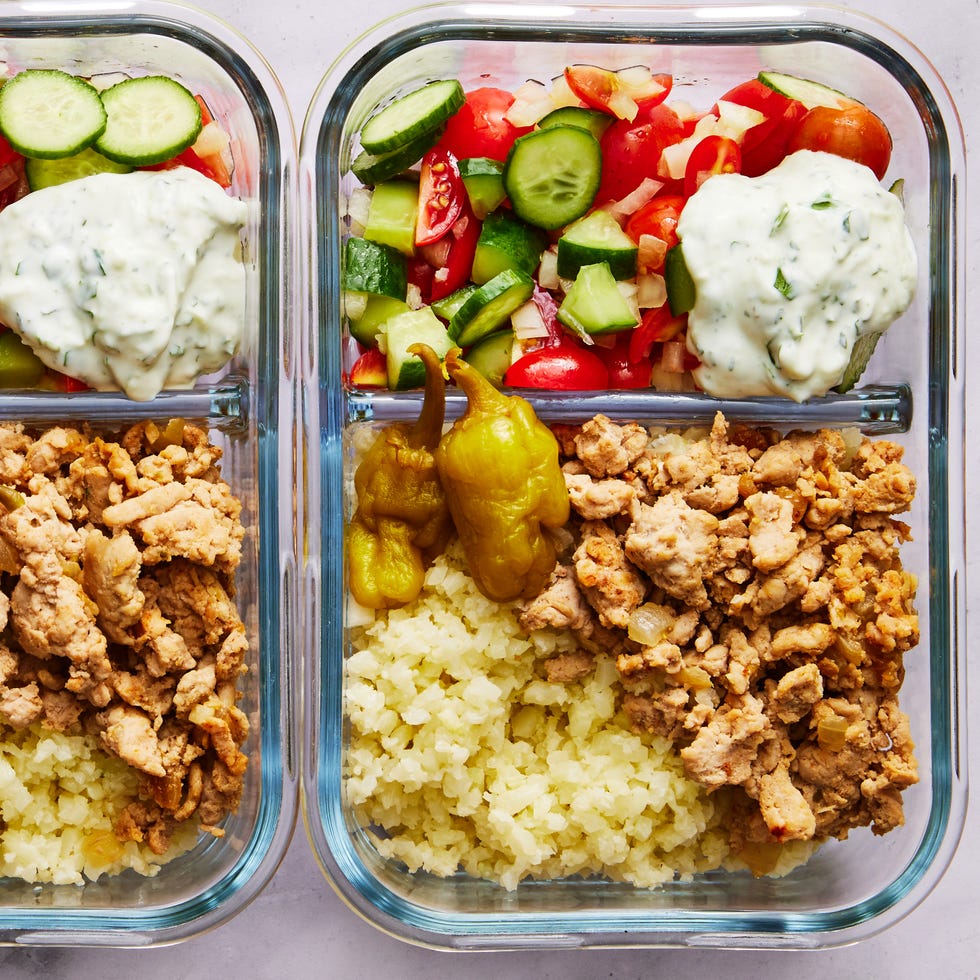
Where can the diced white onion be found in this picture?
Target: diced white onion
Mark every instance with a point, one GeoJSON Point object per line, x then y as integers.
{"type": "Point", "coordinates": [414, 296]}
{"type": "Point", "coordinates": [561, 95]}
{"type": "Point", "coordinates": [737, 119]}
{"type": "Point", "coordinates": [358, 208]}
{"type": "Point", "coordinates": [651, 291]}
{"type": "Point", "coordinates": [663, 380]}
{"type": "Point", "coordinates": [627, 289]}
{"type": "Point", "coordinates": [532, 101]}
{"type": "Point", "coordinates": [527, 322]}
{"type": "Point", "coordinates": [354, 304]}
{"type": "Point", "coordinates": [651, 252]}
{"type": "Point", "coordinates": [645, 191]}
{"type": "Point", "coordinates": [649, 623]}
{"type": "Point", "coordinates": [211, 140]}
{"type": "Point", "coordinates": [548, 269]}
{"type": "Point", "coordinates": [672, 358]}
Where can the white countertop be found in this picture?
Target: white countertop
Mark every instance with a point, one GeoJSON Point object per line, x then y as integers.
{"type": "Point", "coordinates": [298, 928]}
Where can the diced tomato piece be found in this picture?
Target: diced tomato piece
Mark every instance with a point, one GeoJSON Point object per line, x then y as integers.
{"type": "Point", "coordinates": [441, 196]}
{"type": "Point", "coordinates": [765, 144]}
{"type": "Point", "coordinates": [7, 153]}
{"type": "Point", "coordinates": [459, 264]}
{"type": "Point", "coordinates": [606, 91]}
{"type": "Point", "coordinates": [206, 116]}
{"type": "Point", "coordinates": [370, 370]}
{"type": "Point", "coordinates": [62, 382]}
{"type": "Point", "coordinates": [656, 327]}
{"type": "Point", "coordinates": [211, 166]}
{"type": "Point", "coordinates": [853, 132]}
{"type": "Point", "coordinates": [566, 367]}
{"type": "Point", "coordinates": [713, 155]}
{"type": "Point", "coordinates": [479, 128]}
{"type": "Point", "coordinates": [623, 371]}
{"type": "Point", "coordinates": [658, 217]}
{"type": "Point", "coordinates": [631, 150]}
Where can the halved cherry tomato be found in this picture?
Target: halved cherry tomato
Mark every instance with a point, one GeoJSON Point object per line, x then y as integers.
{"type": "Point", "coordinates": [566, 367]}
{"type": "Point", "coordinates": [62, 382]}
{"type": "Point", "coordinates": [623, 371]}
{"type": "Point", "coordinates": [656, 326]}
{"type": "Point", "coordinates": [854, 132]}
{"type": "Point", "coordinates": [712, 156]}
{"type": "Point", "coordinates": [464, 235]}
{"type": "Point", "coordinates": [479, 128]}
{"type": "Point", "coordinates": [370, 370]}
{"type": "Point", "coordinates": [441, 194]}
{"type": "Point", "coordinates": [602, 89]}
{"type": "Point", "coordinates": [7, 153]}
{"type": "Point", "coordinates": [658, 217]}
{"type": "Point", "coordinates": [211, 166]}
{"type": "Point", "coordinates": [765, 144]}
{"type": "Point", "coordinates": [631, 150]}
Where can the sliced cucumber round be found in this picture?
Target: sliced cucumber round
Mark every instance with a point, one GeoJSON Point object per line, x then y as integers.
{"type": "Point", "coordinates": [48, 173]}
{"type": "Point", "coordinates": [150, 119]}
{"type": "Point", "coordinates": [406, 118]}
{"type": "Point", "coordinates": [488, 308]}
{"type": "Point", "coordinates": [551, 175]}
{"type": "Point", "coordinates": [47, 113]}
{"type": "Point", "coordinates": [593, 120]}
{"type": "Point", "coordinates": [373, 168]}
{"type": "Point", "coordinates": [811, 94]}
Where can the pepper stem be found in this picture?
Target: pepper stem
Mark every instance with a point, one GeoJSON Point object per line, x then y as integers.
{"type": "Point", "coordinates": [480, 394]}
{"type": "Point", "coordinates": [427, 430]}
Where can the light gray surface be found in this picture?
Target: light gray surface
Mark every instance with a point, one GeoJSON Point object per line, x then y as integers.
{"type": "Point", "coordinates": [298, 928]}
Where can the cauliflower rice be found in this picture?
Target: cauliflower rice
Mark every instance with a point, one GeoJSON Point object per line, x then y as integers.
{"type": "Point", "coordinates": [59, 795]}
{"type": "Point", "coordinates": [462, 756]}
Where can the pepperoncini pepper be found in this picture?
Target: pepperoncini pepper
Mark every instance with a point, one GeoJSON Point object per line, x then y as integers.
{"type": "Point", "coordinates": [402, 520]}
{"type": "Point", "coordinates": [505, 488]}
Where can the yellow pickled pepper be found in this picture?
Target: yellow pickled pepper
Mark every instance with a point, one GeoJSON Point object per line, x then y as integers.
{"type": "Point", "coordinates": [504, 485]}
{"type": "Point", "coordinates": [402, 520]}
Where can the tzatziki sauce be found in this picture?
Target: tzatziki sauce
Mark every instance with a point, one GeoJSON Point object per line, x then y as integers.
{"type": "Point", "coordinates": [126, 281]}
{"type": "Point", "coordinates": [790, 268]}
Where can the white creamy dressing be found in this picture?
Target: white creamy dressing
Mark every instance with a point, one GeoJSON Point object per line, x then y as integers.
{"type": "Point", "coordinates": [790, 268]}
{"type": "Point", "coordinates": [130, 281]}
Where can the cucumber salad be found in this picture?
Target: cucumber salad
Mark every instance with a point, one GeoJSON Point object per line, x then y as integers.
{"type": "Point", "coordinates": [120, 262]}
{"type": "Point", "coordinates": [595, 232]}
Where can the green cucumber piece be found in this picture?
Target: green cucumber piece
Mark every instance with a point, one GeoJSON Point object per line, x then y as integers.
{"type": "Point", "coordinates": [378, 310]}
{"type": "Point", "coordinates": [447, 307]}
{"type": "Point", "coordinates": [492, 356]}
{"type": "Point", "coordinates": [150, 119]}
{"type": "Point", "coordinates": [421, 111]}
{"type": "Point", "coordinates": [594, 304]}
{"type": "Point", "coordinates": [20, 367]}
{"type": "Point", "coordinates": [811, 94]}
{"type": "Point", "coordinates": [591, 120]}
{"type": "Point", "coordinates": [392, 214]}
{"type": "Point", "coordinates": [47, 113]}
{"type": "Point", "coordinates": [490, 306]}
{"type": "Point", "coordinates": [861, 353]}
{"type": "Point", "coordinates": [596, 238]}
{"type": "Point", "coordinates": [49, 173]}
{"type": "Point", "coordinates": [681, 291]}
{"type": "Point", "coordinates": [552, 175]}
{"type": "Point", "coordinates": [372, 267]}
{"type": "Point", "coordinates": [506, 242]}
{"type": "Point", "coordinates": [483, 178]}
{"type": "Point", "coordinates": [372, 168]}
{"type": "Point", "coordinates": [414, 327]}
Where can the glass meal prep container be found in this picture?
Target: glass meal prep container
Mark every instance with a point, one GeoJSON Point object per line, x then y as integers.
{"type": "Point", "coordinates": [245, 407]}
{"type": "Point", "coordinates": [911, 392]}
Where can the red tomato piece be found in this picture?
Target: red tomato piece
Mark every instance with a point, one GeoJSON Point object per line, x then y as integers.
{"type": "Point", "coordinates": [479, 128]}
{"type": "Point", "coordinates": [441, 194]}
{"type": "Point", "coordinates": [658, 217]}
{"type": "Point", "coordinates": [459, 263]}
{"type": "Point", "coordinates": [713, 155]}
{"type": "Point", "coordinates": [657, 326]}
{"type": "Point", "coordinates": [631, 150]}
{"type": "Point", "coordinates": [623, 371]}
{"type": "Point", "coordinates": [566, 367]}
{"type": "Point", "coordinates": [370, 370]}
{"type": "Point", "coordinates": [604, 90]}
{"type": "Point", "coordinates": [211, 166]}
{"type": "Point", "coordinates": [853, 132]}
{"type": "Point", "coordinates": [62, 382]}
{"type": "Point", "coordinates": [7, 153]}
{"type": "Point", "coordinates": [765, 144]}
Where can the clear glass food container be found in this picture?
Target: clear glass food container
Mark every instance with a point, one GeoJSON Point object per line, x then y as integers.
{"type": "Point", "coordinates": [912, 392]}
{"type": "Point", "coordinates": [246, 407]}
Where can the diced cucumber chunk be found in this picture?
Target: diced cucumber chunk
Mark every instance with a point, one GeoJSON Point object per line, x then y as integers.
{"type": "Point", "coordinates": [392, 214]}
{"type": "Point", "coordinates": [375, 314]}
{"type": "Point", "coordinates": [406, 118]}
{"type": "Point", "coordinates": [490, 306]}
{"type": "Point", "coordinates": [46, 113]}
{"type": "Point", "coordinates": [552, 175]}
{"type": "Point", "coordinates": [49, 173]}
{"type": "Point", "coordinates": [596, 238]}
{"type": "Point", "coordinates": [811, 94]}
{"type": "Point", "coordinates": [373, 168]}
{"type": "Point", "coordinates": [414, 327]}
{"type": "Point", "coordinates": [483, 178]}
{"type": "Point", "coordinates": [592, 120]}
{"type": "Point", "coordinates": [372, 267]}
{"type": "Point", "coordinates": [594, 304]}
{"type": "Point", "coordinates": [447, 307]}
{"type": "Point", "coordinates": [681, 291]}
{"type": "Point", "coordinates": [492, 356]}
{"type": "Point", "coordinates": [506, 242]}
{"type": "Point", "coordinates": [150, 119]}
